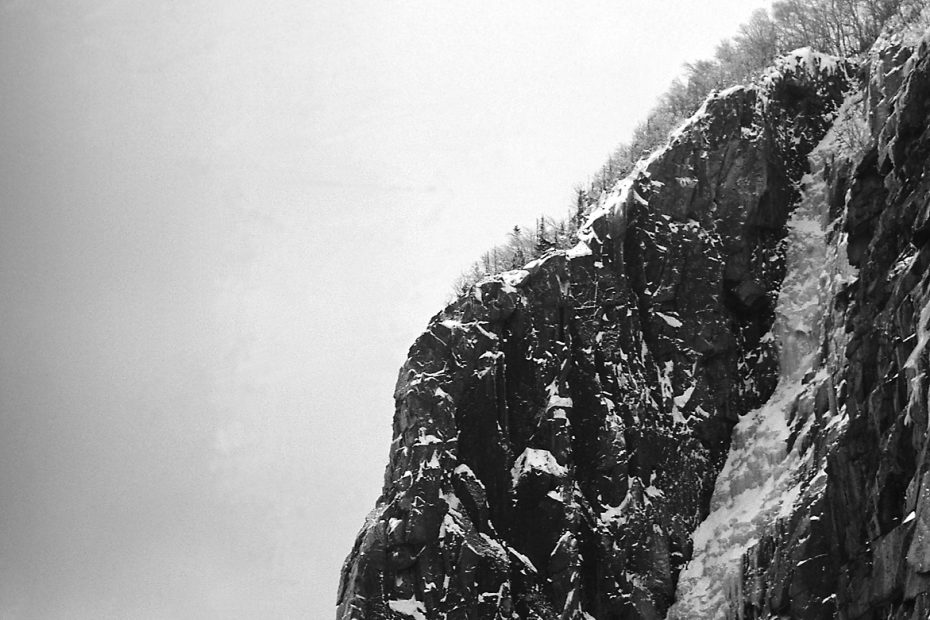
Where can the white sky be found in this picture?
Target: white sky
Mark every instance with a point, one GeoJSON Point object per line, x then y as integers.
{"type": "Point", "coordinates": [222, 223]}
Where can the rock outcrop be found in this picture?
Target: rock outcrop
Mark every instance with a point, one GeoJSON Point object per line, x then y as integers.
{"type": "Point", "coordinates": [559, 430]}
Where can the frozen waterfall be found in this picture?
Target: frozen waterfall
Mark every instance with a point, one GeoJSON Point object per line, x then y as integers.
{"type": "Point", "coordinates": [761, 480]}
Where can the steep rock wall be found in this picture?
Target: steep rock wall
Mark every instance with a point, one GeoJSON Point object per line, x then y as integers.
{"type": "Point", "coordinates": [856, 543]}
{"type": "Point", "coordinates": [559, 430]}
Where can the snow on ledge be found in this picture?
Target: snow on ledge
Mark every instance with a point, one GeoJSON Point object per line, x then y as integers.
{"type": "Point", "coordinates": [533, 460]}
{"type": "Point", "coordinates": [671, 320]}
{"type": "Point", "coordinates": [581, 249]}
{"type": "Point", "coordinates": [411, 607]}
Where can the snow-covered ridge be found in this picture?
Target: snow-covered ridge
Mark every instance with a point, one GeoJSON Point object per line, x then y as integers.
{"type": "Point", "coordinates": [803, 62]}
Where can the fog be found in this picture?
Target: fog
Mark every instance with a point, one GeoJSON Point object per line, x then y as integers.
{"type": "Point", "coordinates": [222, 223]}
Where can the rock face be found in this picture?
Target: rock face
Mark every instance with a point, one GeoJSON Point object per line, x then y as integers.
{"type": "Point", "coordinates": [559, 431]}
{"type": "Point", "coordinates": [855, 543]}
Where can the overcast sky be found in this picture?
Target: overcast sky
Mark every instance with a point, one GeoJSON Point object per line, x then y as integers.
{"type": "Point", "coordinates": [222, 223]}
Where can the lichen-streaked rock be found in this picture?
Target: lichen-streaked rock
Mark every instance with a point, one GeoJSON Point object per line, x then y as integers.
{"type": "Point", "coordinates": [558, 431]}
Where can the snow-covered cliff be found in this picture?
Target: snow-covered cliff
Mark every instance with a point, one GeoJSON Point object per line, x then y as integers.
{"type": "Point", "coordinates": [714, 406]}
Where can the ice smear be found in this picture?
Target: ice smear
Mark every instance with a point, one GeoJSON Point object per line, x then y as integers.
{"type": "Point", "coordinates": [913, 366]}
{"type": "Point", "coordinates": [754, 488]}
{"type": "Point", "coordinates": [761, 480]}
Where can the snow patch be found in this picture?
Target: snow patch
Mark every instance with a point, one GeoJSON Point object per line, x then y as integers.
{"type": "Point", "coordinates": [559, 401]}
{"type": "Point", "coordinates": [681, 401]}
{"type": "Point", "coordinates": [411, 607]}
{"type": "Point", "coordinates": [525, 560]}
{"type": "Point", "coordinates": [671, 320]}
{"type": "Point", "coordinates": [580, 249]}
{"type": "Point", "coordinates": [424, 440]}
{"type": "Point", "coordinates": [513, 279]}
{"type": "Point", "coordinates": [533, 460]}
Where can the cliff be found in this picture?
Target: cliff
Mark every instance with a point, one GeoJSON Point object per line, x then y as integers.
{"type": "Point", "coordinates": [564, 441]}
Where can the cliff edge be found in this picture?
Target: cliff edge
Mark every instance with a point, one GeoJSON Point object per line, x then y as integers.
{"type": "Point", "coordinates": [564, 431]}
